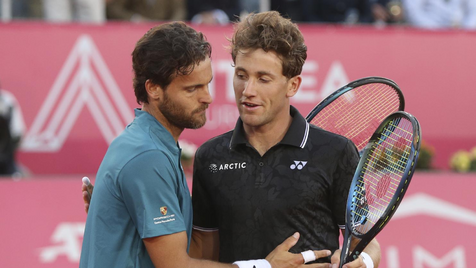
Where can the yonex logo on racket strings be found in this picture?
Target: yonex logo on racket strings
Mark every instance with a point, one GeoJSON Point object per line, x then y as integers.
{"type": "Point", "coordinates": [298, 164]}
{"type": "Point", "coordinates": [214, 168]}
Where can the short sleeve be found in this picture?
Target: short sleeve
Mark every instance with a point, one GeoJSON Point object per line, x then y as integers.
{"type": "Point", "coordinates": [203, 212]}
{"type": "Point", "coordinates": [149, 185]}
{"type": "Point", "coordinates": [343, 175]}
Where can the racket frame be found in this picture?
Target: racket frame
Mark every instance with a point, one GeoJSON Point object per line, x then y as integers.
{"type": "Point", "coordinates": [396, 199]}
{"type": "Point", "coordinates": [357, 83]}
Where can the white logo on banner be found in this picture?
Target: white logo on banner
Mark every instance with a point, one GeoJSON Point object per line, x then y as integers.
{"type": "Point", "coordinates": [423, 204]}
{"type": "Point", "coordinates": [335, 78]}
{"type": "Point", "coordinates": [84, 80]}
{"type": "Point", "coordinates": [67, 238]}
{"type": "Point", "coordinates": [455, 258]}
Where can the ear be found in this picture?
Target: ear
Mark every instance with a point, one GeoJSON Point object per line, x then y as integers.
{"type": "Point", "coordinates": [293, 85]}
{"type": "Point", "coordinates": [154, 91]}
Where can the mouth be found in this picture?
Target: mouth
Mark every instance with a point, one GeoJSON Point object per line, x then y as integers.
{"type": "Point", "coordinates": [200, 110]}
{"type": "Point", "coordinates": [249, 105]}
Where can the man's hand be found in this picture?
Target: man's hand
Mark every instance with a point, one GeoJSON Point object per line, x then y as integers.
{"type": "Point", "coordinates": [357, 263]}
{"type": "Point", "coordinates": [87, 189]}
{"type": "Point", "coordinates": [280, 257]}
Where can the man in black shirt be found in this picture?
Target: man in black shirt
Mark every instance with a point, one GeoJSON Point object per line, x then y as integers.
{"type": "Point", "coordinates": [274, 174]}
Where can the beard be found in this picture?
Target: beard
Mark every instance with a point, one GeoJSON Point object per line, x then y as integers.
{"type": "Point", "coordinates": [175, 113]}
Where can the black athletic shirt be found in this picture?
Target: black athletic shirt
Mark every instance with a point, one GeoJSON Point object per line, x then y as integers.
{"type": "Point", "coordinates": [256, 202]}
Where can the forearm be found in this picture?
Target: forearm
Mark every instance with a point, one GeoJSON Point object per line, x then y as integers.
{"type": "Point", "coordinates": [204, 245]}
{"type": "Point", "coordinates": [373, 249]}
{"type": "Point", "coordinates": [196, 263]}
{"type": "Point", "coordinates": [188, 262]}
{"type": "Point", "coordinates": [169, 251]}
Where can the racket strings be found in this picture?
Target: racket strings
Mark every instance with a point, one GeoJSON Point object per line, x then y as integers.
{"type": "Point", "coordinates": [366, 95]}
{"type": "Point", "coordinates": [373, 209]}
{"type": "Point", "coordinates": [357, 113]}
{"type": "Point", "coordinates": [366, 102]}
{"type": "Point", "coordinates": [381, 174]}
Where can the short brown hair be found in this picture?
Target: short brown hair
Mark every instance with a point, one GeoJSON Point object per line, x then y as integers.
{"type": "Point", "coordinates": [271, 32]}
{"type": "Point", "coordinates": [165, 51]}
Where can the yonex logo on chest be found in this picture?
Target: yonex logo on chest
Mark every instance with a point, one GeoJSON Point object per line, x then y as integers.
{"type": "Point", "coordinates": [298, 165]}
{"type": "Point", "coordinates": [227, 166]}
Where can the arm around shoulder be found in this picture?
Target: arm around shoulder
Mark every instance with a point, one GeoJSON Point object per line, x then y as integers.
{"type": "Point", "coordinates": [170, 251]}
{"type": "Point", "coordinates": [205, 245]}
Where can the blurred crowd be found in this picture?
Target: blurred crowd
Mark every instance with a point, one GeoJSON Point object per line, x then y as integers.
{"type": "Point", "coordinates": [431, 14]}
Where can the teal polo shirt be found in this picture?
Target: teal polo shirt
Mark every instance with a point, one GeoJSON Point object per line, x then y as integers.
{"type": "Point", "coordinates": [140, 192]}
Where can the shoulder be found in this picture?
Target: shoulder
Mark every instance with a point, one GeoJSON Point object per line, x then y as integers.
{"type": "Point", "coordinates": [134, 140]}
{"type": "Point", "coordinates": [316, 133]}
{"type": "Point", "coordinates": [148, 164]}
{"type": "Point", "coordinates": [214, 143]}
{"type": "Point", "coordinates": [321, 137]}
{"type": "Point", "coordinates": [135, 150]}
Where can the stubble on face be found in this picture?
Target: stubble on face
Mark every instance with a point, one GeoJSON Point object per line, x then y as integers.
{"type": "Point", "coordinates": [176, 114]}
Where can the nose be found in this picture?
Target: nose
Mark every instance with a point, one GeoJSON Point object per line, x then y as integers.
{"type": "Point", "coordinates": [249, 89]}
{"type": "Point", "coordinates": [206, 97]}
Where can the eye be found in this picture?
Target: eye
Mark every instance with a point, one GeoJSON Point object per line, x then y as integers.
{"type": "Point", "coordinates": [191, 89]}
{"type": "Point", "coordinates": [241, 76]}
{"type": "Point", "coordinates": [264, 80]}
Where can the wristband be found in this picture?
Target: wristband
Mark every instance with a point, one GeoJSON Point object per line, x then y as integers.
{"type": "Point", "coordinates": [261, 263]}
{"type": "Point", "coordinates": [367, 260]}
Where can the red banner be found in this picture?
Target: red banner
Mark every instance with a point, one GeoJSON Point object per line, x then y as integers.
{"type": "Point", "coordinates": [74, 84]}
{"type": "Point", "coordinates": [43, 221]}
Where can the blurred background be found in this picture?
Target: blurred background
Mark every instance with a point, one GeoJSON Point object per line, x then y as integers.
{"type": "Point", "coordinates": [66, 93]}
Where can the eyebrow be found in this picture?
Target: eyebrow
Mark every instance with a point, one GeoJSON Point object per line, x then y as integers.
{"type": "Point", "coordinates": [260, 73]}
{"type": "Point", "coordinates": [198, 85]}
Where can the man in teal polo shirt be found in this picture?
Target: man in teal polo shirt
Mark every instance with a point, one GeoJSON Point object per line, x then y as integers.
{"type": "Point", "coordinates": [141, 214]}
{"type": "Point", "coordinates": [144, 158]}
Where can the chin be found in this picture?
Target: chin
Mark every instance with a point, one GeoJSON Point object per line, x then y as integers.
{"type": "Point", "coordinates": [250, 121]}
{"type": "Point", "coordinates": [199, 123]}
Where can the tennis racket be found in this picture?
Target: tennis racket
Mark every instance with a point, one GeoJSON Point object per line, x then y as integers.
{"type": "Point", "coordinates": [380, 181]}
{"type": "Point", "coordinates": [356, 109]}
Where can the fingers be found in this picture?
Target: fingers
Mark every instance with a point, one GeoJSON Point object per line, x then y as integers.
{"type": "Point", "coordinates": [308, 256]}
{"type": "Point", "coordinates": [322, 253]}
{"type": "Point", "coordinates": [84, 188]}
{"type": "Point", "coordinates": [315, 265]}
{"type": "Point", "coordinates": [290, 242]}
{"type": "Point", "coordinates": [357, 263]}
{"type": "Point", "coordinates": [86, 194]}
{"type": "Point", "coordinates": [87, 189]}
{"type": "Point", "coordinates": [312, 255]}
{"type": "Point", "coordinates": [335, 259]}
{"type": "Point", "coordinates": [86, 200]}
{"type": "Point", "coordinates": [280, 257]}
{"type": "Point", "coordinates": [87, 186]}
{"type": "Point", "coordinates": [86, 181]}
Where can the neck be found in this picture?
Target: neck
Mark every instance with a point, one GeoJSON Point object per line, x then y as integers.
{"type": "Point", "coordinates": [153, 110]}
{"type": "Point", "coordinates": [263, 138]}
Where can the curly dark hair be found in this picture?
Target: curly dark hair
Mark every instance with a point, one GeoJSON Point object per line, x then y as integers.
{"type": "Point", "coordinates": [271, 32]}
{"type": "Point", "coordinates": [164, 52]}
